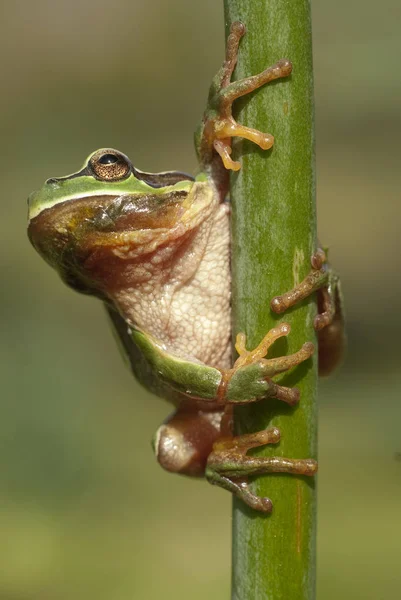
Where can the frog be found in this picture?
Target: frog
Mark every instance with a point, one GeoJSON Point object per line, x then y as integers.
{"type": "Point", "coordinates": [155, 249]}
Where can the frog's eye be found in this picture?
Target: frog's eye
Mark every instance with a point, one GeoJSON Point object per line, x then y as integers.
{"type": "Point", "coordinates": [109, 165]}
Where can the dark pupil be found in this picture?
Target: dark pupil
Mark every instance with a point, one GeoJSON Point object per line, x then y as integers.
{"type": "Point", "coordinates": [108, 159]}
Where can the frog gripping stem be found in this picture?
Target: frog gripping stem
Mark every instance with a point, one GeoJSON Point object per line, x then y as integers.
{"type": "Point", "coordinates": [229, 466]}
{"type": "Point", "coordinates": [219, 126]}
{"type": "Point", "coordinates": [329, 322]}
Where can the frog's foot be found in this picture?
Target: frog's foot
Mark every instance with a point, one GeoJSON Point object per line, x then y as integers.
{"type": "Point", "coordinates": [329, 322]}
{"type": "Point", "coordinates": [320, 277]}
{"type": "Point", "coordinates": [229, 466]}
{"type": "Point", "coordinates": [269, 367]}
{"type": "Point", "coordinates": [219, 125]}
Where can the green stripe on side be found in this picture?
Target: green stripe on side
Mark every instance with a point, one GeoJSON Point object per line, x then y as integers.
{"type": "Point", "coordinates": [165, 375]}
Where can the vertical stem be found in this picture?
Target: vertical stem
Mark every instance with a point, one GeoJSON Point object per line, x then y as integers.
{"type": "Point", "coordinates": [274, 235]}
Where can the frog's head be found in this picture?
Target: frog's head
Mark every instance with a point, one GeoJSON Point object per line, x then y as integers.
{"type": "Point", "coordinates": [108, 211]}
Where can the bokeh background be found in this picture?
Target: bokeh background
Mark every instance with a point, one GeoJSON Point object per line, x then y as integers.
{"type": "Point", "coordinates": [85, 512]}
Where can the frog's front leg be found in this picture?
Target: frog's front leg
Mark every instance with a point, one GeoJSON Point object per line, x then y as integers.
{"type": "Point", "coordinates": [250, 378]}
{"type": "Point", "coordinates": [329, 323]}
{"type": "Point", "coordinates": [219, 126]}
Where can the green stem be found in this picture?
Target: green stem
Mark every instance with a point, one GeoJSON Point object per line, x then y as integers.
{"type": "Point", "coordinates": [274, 235]}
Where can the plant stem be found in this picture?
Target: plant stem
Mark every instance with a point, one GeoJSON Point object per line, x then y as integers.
{"type": "Point", "coordinates": [274, 235]}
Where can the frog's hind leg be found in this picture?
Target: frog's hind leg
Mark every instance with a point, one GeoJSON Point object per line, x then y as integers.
{"type": "Point", "coordinates": [229, 466]}
{"type": "Point", "coordinates": [184, 441]}
{"type": "Point", "coordinates": [329, 323]}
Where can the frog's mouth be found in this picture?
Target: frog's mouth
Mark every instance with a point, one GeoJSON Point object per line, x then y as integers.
{"type": "Point", "coordinates": [88, 238]}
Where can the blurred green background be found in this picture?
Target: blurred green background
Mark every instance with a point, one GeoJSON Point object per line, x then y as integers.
{"type": "Point", "coordinates": [85, 511]}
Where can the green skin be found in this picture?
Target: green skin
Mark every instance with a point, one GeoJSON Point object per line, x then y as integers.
{"type": "Point", "coordinates": [81, 223]}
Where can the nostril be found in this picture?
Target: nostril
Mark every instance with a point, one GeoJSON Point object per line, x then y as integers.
{"type": "Point", "coordinates": [51, 180]}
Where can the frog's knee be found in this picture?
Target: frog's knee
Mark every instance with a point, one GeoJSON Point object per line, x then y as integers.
{"type": "Point", "coordinates": [183, 443]}
{"type": "Point", "coordinates": [174, 453]}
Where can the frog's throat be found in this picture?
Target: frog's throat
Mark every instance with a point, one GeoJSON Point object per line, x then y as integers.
{"type": "Point", "coordinates": [91, 240]}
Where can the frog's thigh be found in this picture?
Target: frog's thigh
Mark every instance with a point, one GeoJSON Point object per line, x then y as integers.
{"type": "Point", "coordinates": [331, 338]}
{"type": "Point", "coordinates": [184, 441]}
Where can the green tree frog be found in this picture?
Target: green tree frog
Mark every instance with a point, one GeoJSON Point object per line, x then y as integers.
{"type": "Point", "coordinates": [155, 248]}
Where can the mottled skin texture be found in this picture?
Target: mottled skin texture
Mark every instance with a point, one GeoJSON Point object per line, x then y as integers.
{"type": "Point", "coordinates": [180, 293]}
{"type": "Point", "coordinates": [156, 249]}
